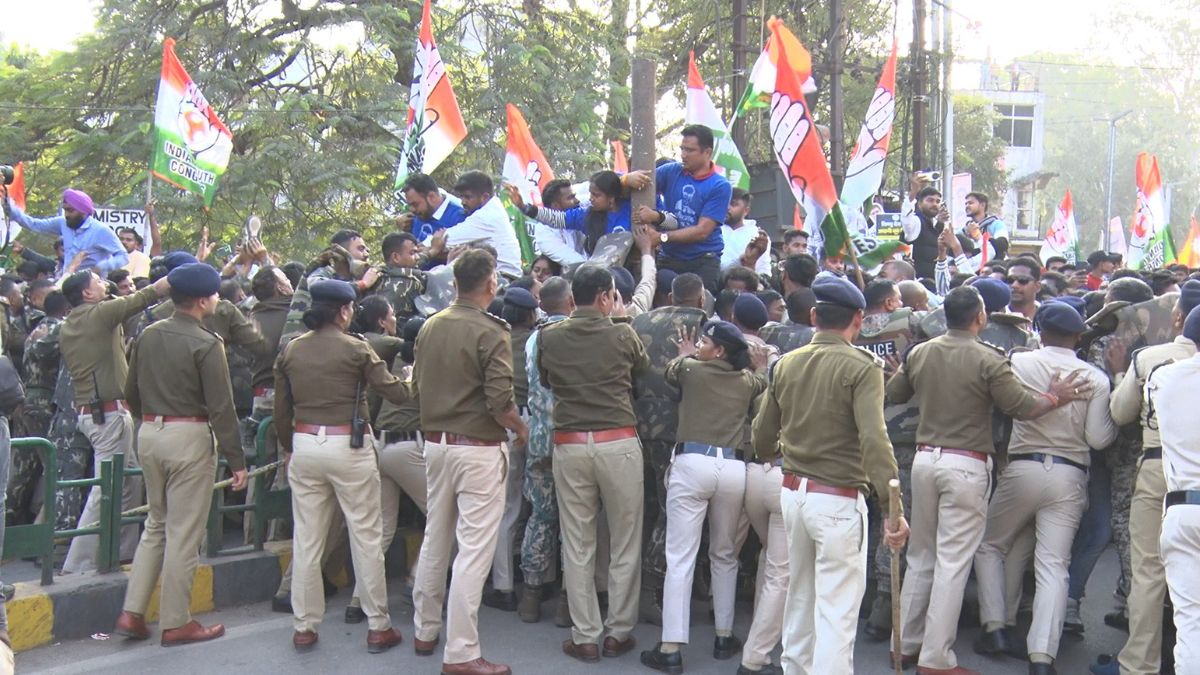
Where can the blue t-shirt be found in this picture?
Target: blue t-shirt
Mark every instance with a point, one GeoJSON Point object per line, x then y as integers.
{"type": "Point", "coordinates": [690, 198]}
{"type": "Point", "coordinates": [452, 215]}
{"type": "Point", "coordinates": [620, 220]}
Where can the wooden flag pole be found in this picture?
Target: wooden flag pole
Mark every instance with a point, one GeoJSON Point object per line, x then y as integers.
{"type": "Point", "coordinates": [893, 523]}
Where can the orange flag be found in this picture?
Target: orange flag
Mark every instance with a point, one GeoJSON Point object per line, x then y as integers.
{"type": "Point", "coordinates": [16, 191]}
{"type": "Point", "coordinates": [620, 164]}
{"type": "Point", "coordinates": [1190, 253]}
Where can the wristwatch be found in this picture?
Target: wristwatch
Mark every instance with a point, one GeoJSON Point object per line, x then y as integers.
{"type": "Point", "coordinates": [662, 237]}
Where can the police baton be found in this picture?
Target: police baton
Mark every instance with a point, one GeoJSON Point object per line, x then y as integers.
{"type": "Point", "coordinates": [893, 523]}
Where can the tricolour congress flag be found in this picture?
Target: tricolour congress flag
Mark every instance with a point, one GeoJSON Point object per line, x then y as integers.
{"type": "Point", "coordinates": [1063, 237]}
{"type": "Point", "coordinates": [1150, 216]}
{"type": "Point", "coordinates": [701, 110]}
{"type": "Point", "coordinates": [865, 171]}
{"type": "Point", "coordinates": [1116, 237]}
{"type": "Point", "coordinates": [435, 124]}
{"type": "Point", "coordinates": [16, 189]}
{"type": "Point", "coordinates": [525, 166]}
{"type": "Point", "coordinates": [191, 144]}
{"type": "Point", "coordinates": [620, 163]}
{"type": "Point", "coordinates": [1160, 252]}
{"type": "Point", "coordinates": [1190, 253]}
{"type": "Point", "coordinates": [759, 89]}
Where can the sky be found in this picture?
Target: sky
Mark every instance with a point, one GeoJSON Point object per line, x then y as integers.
{"type": "Point", "coordinates": [1008, 29]}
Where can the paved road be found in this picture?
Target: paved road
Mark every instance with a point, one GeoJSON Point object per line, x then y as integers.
{"type": "Point", "coordinates": [258, 643]}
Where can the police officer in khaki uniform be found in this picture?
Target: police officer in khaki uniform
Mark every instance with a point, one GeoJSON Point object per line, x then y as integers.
{"type": "Point", "coordinates": [463, 376]}
{"type": "Point", "coordinates": [320, 416]}
{"type": "Point", "coordinates": [706, 478]}
{"type": "Point", "coordinates": [588, 361]}
{"type": "Point", "coordinates": [1142, 653]}
{"type": "Point", "coordinates": [1043, 486]}
{"type": "Point", "coordinates": [178, 385]}
{"type": "Point", "coordinates": [956, 380]}
{"type": "Point", "coordinates": [823, 412]}
{"type": "Point", "coordinates": [93, 351]}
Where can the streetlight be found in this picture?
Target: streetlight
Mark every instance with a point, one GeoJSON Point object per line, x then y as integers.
{"type": "Point", "coordinates": [1112, 149]}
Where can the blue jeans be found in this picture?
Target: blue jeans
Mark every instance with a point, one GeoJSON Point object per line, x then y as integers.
{"type": "Point", "coordinates": [1095, 530]}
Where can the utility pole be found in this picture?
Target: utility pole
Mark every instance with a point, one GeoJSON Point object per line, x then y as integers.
{"type": "Point", "coordinates": [920, 93]}
{"type": "Point", "coordinates": [948, 104]}
{"type": "Point", "coordinates": [1112, 151]}
{"type": "Point", "coordinates": [837, 123]}
{"type": "Point", "coordinates": [642, 127]}
{"type": "Point", "coordinates": [739, 69]}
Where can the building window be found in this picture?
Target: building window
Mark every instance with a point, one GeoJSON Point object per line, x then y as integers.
{"type": "Point", "coordinates": [1026, 213]}
{"type": "Point", "coordinates": [1014, 125]}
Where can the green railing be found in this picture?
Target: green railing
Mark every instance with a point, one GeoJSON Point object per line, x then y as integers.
{"type": "Point", "coordinates": [38, 540]}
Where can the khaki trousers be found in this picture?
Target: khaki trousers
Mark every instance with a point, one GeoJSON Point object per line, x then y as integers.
{"type": "Point", "coordinates": [401, 471]}
{"type": "Point", "coordinates": [466, 502]}
{"type": "Point", "coordinates": [507, 544]}
{"type": "Point", "coordinates": [1053, 497]}
{"type": "Point", "coordinates": [327, 476]}
{"type": "Point", "coordinates": [765, 512]}
{"type": "Point", "coordinates": [1142, 653]}
{"type": "Point", "coordinates": [698, 485]}
{"type": "Point", "coordinates": [586, 474]}
{"type": "Point", "coordinates": [827, 551]}
{"type": "Point", "coordinates": [179, 465]}
{"type": "Point", "coordinates": [115, 435]}
{"type": "Point", "coordinates": [949, 503]}
{"type": "Point", "coordinates": [1180, 546]}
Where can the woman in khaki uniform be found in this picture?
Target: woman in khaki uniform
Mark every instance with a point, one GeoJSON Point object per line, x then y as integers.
{"type": "Point", "coordinates": [320, 415]}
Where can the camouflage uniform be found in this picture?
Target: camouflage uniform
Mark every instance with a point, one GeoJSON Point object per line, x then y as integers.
{"type": "Point", "coordinates": [401, 286]}
{"type": "Point", "coordinates": [334, 262]}
{"type": "Point", "coordinates": [786, 337]}
{"type": "Point", "coordinates": [42, 361]}
{"type": "Point", "coordinates": [656, 405]}
{"type": "Point", "coordinates": [539, 547]}
{"type": "Point", "coordinates": [17, 333]}
{"type": "Point", "coordinates": [74, 450]}
{"type": "Point", "coordinates": [892, 335]}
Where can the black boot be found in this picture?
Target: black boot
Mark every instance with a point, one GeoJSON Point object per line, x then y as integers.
{"type": "Point", "coordinates": [505, 601]}
{"type": "Point", "coordinates": [993, 643]}
{"type": "Point", "coordinates": [672, 663]}
{"type": "Point", "coordinates": [1042, 669]}
{"type": "Point", "coordinates": [726, 647]}
{"type": "Point", "coordinates": [530, 606]}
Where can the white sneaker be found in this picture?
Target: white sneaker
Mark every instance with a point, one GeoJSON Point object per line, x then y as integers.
{"type": "Point", "coordinates": [1072, 622]}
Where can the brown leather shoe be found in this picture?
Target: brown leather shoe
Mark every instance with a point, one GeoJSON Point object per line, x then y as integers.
{"type": "Point", "coordinates": [190, 632]}
{"type": "Point", "coordinates": [477, 667]}
{"type": "Point", "coordinates": [304, 640]}
{"type": "Point", "coordinates": [614, 647]}
{"type": "Point", "coordinates": [379, 641]}
{"type": "Point", "coordinates": [132, 626]}
{"type": "Point", "coordinates": [586, 652]}
{"type": "Point", "coordinates": [424, 647]}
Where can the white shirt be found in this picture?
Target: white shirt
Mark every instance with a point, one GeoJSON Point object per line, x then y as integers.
{"type": "Point", "coordinates": [735, 245]}
{"type": "Point", "coordinates": [1174, 393]}
{"type": "Point", "coordinates": [564, 247]}
{"type": "Point", "coordinates": [1068, 431]}
{"type": "Point", "coordinates": [490, 223]}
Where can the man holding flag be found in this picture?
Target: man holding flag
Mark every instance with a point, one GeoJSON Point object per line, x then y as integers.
{"type": "Point", "coordinates": [698, 197]}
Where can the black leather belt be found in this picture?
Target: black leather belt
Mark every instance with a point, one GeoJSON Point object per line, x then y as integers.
{"type": "Point", "coordinates": [387, 437]}
{"type": "Point", "coordinates": [1154, 452]}
{"type": "Point", "coordinates": [1041, 457]}
{"type": "Point", "coordinates": [1178, 497]}
{"type": "Point", "coordinates": [691, 448]}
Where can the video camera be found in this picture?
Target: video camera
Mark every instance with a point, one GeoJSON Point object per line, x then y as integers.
{"type": "Point", "coordinates": [7, 174]}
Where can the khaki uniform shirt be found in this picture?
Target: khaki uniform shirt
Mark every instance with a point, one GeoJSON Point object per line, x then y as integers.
{"type": "Point", "coordinates": [269, 315]}
{"type": "Point", "coordinates": [716, 400]}
{"type": "Point", "coordinates": [823, 411]}
{"type": "Point", "coordinates": [1072, 429]}
{"type": "Point", "coordinates": [588, 361]}
{"type": "Point", "coordinates": [178, 368]}
{"type": "Point", "coordinates": [463, 372]}
{"type": "Point", "coordinates": [956, 380]}
{"type": "Point", "coordinates": [317, 375]}
{"type": "Point", "coordinates": [93, 349]}
{"type": "Point", "coordinates": [399, 416]}
{"type": "Point", "coordinates": [520, 336]}
{"type": "Point", "coordinates": [228, 322]}
{"type": "Point", "coordinates": [1126, 404]}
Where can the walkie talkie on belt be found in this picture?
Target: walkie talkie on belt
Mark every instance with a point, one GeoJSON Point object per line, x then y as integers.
{"type": "Point", "coordinates": [358, 426]}
{"type": "Point", "coordinates": [97, 404]}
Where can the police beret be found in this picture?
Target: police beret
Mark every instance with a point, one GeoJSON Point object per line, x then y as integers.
{"type": "Point", "coordinates": [519, 297]}
{"type": "Point", "coordinates": [76, 283]}
{"type": "Point", "coordinates": [750, 311]}
{"type": "Point", "coordinates": [1059, 317]}
{"type": "Point", "coordinates": [1189, 296]}
{"type": "Point", "coordinates": [623, 280]}
{"type": "Point", "coordinates": [412, 327]}
{"type": "Point", "coordinates": [194, 280]}
{"type": "Point", "coordinates": [726, 335]}
{"type": "Point", "coordinates": [664, 279]}
{"type": "Point", "coordinates": [838, 291]}
{"type": "Point", "coordinates": [332, 290]}
{"type": "Point", "coordinates": [1191, 325]}
{"type": "Point", "coordinates": [1074, 302]}
{"type": "Point", "coordinates": [996, 294]}
{"type": "Point", "coordinates": [176, 258]}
